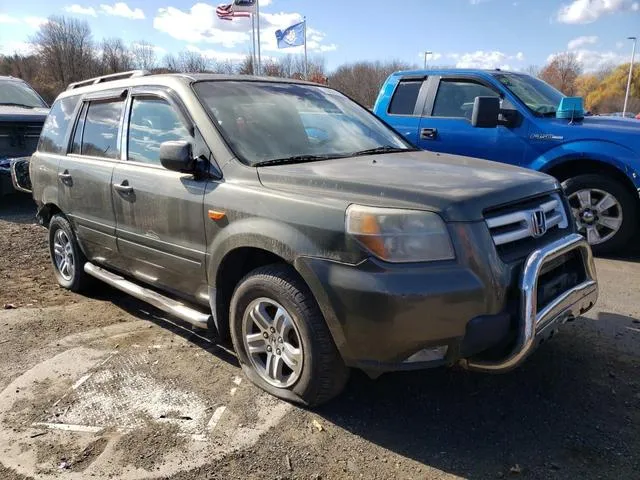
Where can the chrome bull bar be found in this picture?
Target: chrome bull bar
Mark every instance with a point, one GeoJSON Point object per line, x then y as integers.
{"type": "Point", "coordinates": [568, 305]}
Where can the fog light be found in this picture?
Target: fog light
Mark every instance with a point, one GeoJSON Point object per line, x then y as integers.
{"type": "Point", "coordinates": [428, 354]}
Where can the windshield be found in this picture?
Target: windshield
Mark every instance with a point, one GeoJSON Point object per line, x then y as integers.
{"type": "Point", "coordinates": [15, 92]}
{"type": "Point", "coordinates": [539, 96]}
{"type": "Point", "coordinates": [265, 122]}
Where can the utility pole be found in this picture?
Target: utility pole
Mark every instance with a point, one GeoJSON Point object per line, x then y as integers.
{"type": "Point", "coordinates": [425, 58]}
{"type": "Point", "coordinates": [626, 95]}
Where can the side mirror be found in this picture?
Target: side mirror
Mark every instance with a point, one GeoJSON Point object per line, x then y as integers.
{"type": "Point", "coordinates": [485, 112]}
{"type": "Point", "coordinates": [177, 156]}
{"type": "Point", "coordinates": [20, 174]}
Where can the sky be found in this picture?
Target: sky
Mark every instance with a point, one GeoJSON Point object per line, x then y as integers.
{"type": "Point", "coordinates": [508, 34]}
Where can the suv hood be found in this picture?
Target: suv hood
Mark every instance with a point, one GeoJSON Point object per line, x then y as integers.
{"type": "Point", "coordinates": [458, 188]}
{"type": "Point", "coordinates": [9, 113]}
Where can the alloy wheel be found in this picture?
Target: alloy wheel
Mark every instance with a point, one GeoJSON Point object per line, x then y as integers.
{"type": "Point", "coordinates": [598, 214]}
{"type": "Point", "coordinates": [63, 254]}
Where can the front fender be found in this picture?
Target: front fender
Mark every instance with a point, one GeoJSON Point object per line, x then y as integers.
{"type": "Point", "coordinates": [616, 155]}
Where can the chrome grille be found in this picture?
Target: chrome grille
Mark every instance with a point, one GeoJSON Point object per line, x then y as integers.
{"type": "Point", "coordinates": [534, 220]}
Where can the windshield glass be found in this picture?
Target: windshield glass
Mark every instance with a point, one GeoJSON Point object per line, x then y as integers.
{"type": "Point", "coordinates": [16, 92]}
{"type": "Point", "coordinates": [539, 96]}
{"type": "Point", "coordinates": [265, 121]}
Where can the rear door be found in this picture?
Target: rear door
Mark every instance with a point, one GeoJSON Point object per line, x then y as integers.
{"type": "Point", "coordinates": [84, 174]}
{"type": "Point", "coordinates": [159, 213]}
{"type": "Point", "coordinates": [446, 122]}
{"type": "Point", "coordinates": [406, 106]}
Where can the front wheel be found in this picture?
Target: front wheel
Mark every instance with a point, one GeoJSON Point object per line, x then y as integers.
{"type": "Point", "coordinates": [282, 340]}
{"type": "Point", "coordinates": [604, 210]}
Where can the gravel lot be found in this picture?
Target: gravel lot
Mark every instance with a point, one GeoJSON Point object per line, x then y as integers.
{"type": "Point", "coordinates": [143, 396]}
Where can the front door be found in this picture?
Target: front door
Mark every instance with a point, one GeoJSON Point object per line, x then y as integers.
{"type": "Point", "coordinates": [84, 176]}
{"type": "Point", "coordinates": [446, 123]}
{"type": "Point", "coordinates": [159, 213]}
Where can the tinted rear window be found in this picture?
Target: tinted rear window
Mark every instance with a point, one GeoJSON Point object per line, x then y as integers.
{"type": "Point", "coordinates": [54, 132]}
{"type": "Point", "coordinates": [405, 98]}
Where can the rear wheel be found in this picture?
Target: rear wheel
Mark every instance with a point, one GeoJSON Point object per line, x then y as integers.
{"type": "Point", "coordinates": [282, 340]}
{"type": "Point", "coordinates": [604, 210]}
{"type": "Point", "coordinates": [66, 256]}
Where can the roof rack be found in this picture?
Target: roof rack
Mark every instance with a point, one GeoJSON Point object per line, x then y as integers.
{"type": "Point", "coordinates": [108, 78]}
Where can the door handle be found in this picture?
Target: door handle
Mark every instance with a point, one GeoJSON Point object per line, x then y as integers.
{"type": "Point", "coordinates": [65, 177]}
{"type": "Point", "coordinates": [429, 133]}
{"type": "Point", "coordinates": [123, 187]}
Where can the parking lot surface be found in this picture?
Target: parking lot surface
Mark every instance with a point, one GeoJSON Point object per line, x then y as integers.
{"type": "Point", "coordinates": [107, 387]}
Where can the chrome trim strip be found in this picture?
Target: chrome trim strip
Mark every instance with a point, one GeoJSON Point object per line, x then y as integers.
{"type": "Point", "coordinates": [165, 304]}
{"type": "Point", "coordinates": [569, 305]}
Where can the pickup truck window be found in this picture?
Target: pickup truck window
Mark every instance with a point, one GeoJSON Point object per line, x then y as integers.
{"type": "Point", "coordinates": [405, 97]}
{"type": "Point", "coordinates": [100, 134]}
{"type": "Point", "coordinates": [52, 138]}
{"type": "Point", "coordinates": [455, 97]}
{"type": "Point", "coordinates": [152, 122]}
{"type": "Point", "coordinates": [538, 96]}
{"type": "Point", "coordinates": [266, 121]}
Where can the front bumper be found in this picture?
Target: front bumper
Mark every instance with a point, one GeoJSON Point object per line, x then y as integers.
{"type": "Point", "coordinates": [382, 315]}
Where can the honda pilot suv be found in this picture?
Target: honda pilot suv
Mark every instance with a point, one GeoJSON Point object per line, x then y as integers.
{"type": "Point", "coordinates": [287, 217]}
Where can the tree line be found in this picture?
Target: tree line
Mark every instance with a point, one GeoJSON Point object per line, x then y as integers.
{"type": "Point", "coordinates": [64, 51]}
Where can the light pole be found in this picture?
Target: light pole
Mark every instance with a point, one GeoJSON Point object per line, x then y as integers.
{"type": "Point", "coordinates": [425, 58]}
{"type": "Point", "coordinates": [626, 95]}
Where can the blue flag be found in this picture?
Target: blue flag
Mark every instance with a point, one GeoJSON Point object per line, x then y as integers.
{"type": "Point", "coordinates": [292, 36]}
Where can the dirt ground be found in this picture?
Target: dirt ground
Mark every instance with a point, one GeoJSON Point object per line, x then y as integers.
{"type": "Point", "coordinates": [107, 387]}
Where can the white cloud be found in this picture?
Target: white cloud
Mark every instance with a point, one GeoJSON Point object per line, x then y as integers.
{"type": "Point", "coordinates": [157, 49]}
{"type": "Point", "coordinates": [22, 48]}
{"type": "Point", "coordinates": [588, 11]}
{"type": "Point", "coordinates": [35, 22]}
{"type": "Point", "coordinates": [581, 42]}
{"type": "Point", "coordinates": [593, 61]}
{"type": "Point", "coordinates": [482, 59]}
{"type": "Point", "coordinates": [121, 9]}
{"type": "Point", "coordinates": [4, 18]}
{"type": "Point", "coordinates": [218, 55]}
{"type": "Point", "coordinates": [80, 10]}
{"type": "Point", "coordinates": [200, 24]}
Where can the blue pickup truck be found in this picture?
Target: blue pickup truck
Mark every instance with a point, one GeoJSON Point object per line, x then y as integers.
{"type": "Point", "coordinates": [514, 118]}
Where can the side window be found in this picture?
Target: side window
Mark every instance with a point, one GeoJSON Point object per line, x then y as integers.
{"type": "Point", "coordinates": [455, 98]}
{"type": "Point", "coordinates": [76, 145]}
{"type": "Point", "coordinates": [405, 97]}
{"type": "Point", "coordinates": [100, 134]}
{"type": "Point", "coordinates": [153, 121]}
{"type": "Point", "coordinates": [54, 132]}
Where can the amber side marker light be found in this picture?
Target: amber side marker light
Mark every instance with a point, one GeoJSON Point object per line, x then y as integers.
{"type": "Point", "coordinates": [216, 215]}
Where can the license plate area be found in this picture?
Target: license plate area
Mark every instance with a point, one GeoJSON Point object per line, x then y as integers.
{"type": "Point", "coordinates": [558, 276]}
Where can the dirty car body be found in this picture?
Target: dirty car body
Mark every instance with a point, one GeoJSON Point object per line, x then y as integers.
{"type": "Point", "coordinates": [284, 215]}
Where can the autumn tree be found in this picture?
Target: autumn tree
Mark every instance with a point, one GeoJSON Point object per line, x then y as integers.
{"type": "Point", "coordinates": [608, 96]}
{"type": "Point", "coordinates": [562, 72]}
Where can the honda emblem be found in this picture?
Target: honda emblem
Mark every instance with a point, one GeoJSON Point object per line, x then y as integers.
{"type": "Point", "coordinates": [538, 223]}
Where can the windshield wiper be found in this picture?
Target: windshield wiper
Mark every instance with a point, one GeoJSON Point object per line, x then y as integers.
{"type": "Point", "coordinates": [11, 104]}
{"type": "Point", "coordinates": [385, 149]}
{"type": "Point", "coordinates": [296, 159]}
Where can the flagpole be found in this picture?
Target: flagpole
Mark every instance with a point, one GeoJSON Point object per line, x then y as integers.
{"type": "Point", "coordinates": [258, 30]}
{"type": "Point", "coordinates": [306, 63]}
{"type": "Point", "coordinates": [253, 44]}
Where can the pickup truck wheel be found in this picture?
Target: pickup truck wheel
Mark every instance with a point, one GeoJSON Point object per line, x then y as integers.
{"type": "Point", "coordinates": [281, 338]}
{"type": "Point", "coordinates": [604, 210]}
{"type": "Point", "coordinates": [66, 256]}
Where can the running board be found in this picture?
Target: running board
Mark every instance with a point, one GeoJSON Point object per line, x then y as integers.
{"type": "Point", "coordinates": [165, 304]}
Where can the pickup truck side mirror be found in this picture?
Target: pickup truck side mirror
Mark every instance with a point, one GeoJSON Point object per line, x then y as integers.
{"type": "Point", "coordinates": [486, 111]}
{"type": "Point", "coordinates": [177, 156]}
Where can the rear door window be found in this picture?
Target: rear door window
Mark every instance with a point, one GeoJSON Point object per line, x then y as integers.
{"type": "Point", "coordinates": [54, 133]}
{"type": "Point", "coordinates": [100, 134]}
{"type": "Point", "coordinates": [405, 97]}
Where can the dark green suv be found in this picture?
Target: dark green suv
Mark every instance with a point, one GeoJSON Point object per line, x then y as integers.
{"type": "Point", "coordinates": [287, 217]}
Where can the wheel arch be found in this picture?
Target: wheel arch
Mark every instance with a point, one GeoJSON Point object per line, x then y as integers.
{"type": "Point", "coordinates": [46, 212]}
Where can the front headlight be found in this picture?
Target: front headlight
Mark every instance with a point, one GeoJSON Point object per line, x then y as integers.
{"type": "Point", "coordinates": [398, 235]}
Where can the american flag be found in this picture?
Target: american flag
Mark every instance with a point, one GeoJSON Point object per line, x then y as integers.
{"type": "Point", "coordinates": [225, 12]}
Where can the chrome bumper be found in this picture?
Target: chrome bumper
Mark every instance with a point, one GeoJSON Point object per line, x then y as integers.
{"type": "Point", "coordinates": [569, 305]}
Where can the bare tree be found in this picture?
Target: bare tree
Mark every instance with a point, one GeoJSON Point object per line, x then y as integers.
{"type": "Point", "coordinates": [533, 70]}
{"type": "Point", "coordinates": [246, 66]}
{"type": "Point", "coordinates": [562, 72]}
{"type": "Point", "coordinates": [115, 56]}
{"type": "Point", "coordinates": [171, 63]}
{"type": "Point", "coordinates": [144, 55]}
{"type": "Point", "coordinates": [192, 62]}
{"type": "Point", "coordinates": [65, 48]}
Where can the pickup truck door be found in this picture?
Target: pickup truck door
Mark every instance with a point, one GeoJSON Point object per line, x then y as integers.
{"type": "Point", "coordinates": [446, 127]}
{"type": "Point", "coordinates": [159, 213]}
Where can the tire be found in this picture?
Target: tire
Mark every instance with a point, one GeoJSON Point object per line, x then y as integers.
{"type": "Point", "coordinates": [73, 277]}
{"type": "Point", "coordinates": [624, 209]}
{"type": "Point", "coordinates": [321, 374]}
